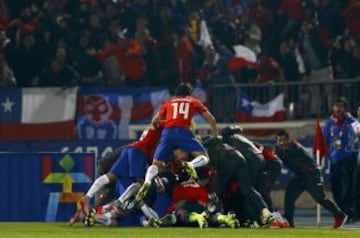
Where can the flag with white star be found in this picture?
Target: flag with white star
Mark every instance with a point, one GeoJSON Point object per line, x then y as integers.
{"type": "Point", "coordinates": [249, 110]}
{"type": "Point", "coordinates": [10, 105]}
{"type": "Point", "coordinates": [37, 113]}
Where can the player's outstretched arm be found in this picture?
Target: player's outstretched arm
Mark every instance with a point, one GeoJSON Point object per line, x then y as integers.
{"type": "Point", "coordinates": [212, 122]}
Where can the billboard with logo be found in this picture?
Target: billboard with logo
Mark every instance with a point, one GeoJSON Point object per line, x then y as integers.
{"type": "Point", "coordinates": [43, 186]}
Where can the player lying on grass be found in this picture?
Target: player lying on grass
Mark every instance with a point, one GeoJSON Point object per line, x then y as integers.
{"type": "Point", "coordinates": [128, 168]}
{"type": "Point", "coordinates": [190, 204]}
{"type": "Point", "coordinates": [122, 212]}
{"type": "Point", "coordinates": [119, 213]}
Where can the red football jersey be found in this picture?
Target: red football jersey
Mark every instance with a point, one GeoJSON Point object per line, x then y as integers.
{"type": "Point", "coordinates": [266, 152]}
{"type": "Point", "coordinates": [148, 142]}
{"type": "Point", "coordinates": [189, 191]}
{"type": "Point", "coordinates": [179, 111]}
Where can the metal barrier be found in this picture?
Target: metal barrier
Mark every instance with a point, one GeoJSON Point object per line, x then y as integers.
{"type": "Point", "coordinates": [303, 100]}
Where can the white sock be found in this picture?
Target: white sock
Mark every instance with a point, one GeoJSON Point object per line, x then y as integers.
{"type": "Point", "coordinates": [149, 212]}
{"type": "Point", "coordinates": [265, 213]}
{"type": "Point", "coordinates": [151, 172]}
{"type": "Point", "coordinates": [99, 183]}
{"type": "Point", "coordinates": [131, 190]}
{"type": "Point", "coordinates": [199, 161]}
{"type": "Point", "coordinates": [104, 219]}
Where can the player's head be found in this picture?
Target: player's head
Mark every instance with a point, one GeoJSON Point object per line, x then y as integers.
{"type": "Point", "coordinates": [183, 89]}
{"type": "Point", "coordinates": [210, 142]}
{"type": "Point", "coordinates": [231, 130]}
{"type": "Point", "coordinates": [282, 138]}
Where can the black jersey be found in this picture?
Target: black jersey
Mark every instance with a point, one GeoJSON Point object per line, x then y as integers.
{"type": "Point", "coordinates": [297, 159]}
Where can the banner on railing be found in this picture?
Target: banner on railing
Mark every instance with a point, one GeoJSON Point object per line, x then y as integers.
{"type": "Point", "coordinates": [248, 110]}
{"type": "Point", "coordinates": [106, 113]}
{"type": "Point", "coordinates": [37, 113]}
{"type": "Point", "coordinates": [43, 186]}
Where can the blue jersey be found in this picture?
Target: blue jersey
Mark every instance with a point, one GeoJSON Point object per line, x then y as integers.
{"type": "Point", "coordinates": [340, 137]}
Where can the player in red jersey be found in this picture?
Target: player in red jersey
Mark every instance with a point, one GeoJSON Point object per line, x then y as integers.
{"type": "Point", "coordinates": [130, 167]}
{"type": "Point", "coordinates": [177, 112]}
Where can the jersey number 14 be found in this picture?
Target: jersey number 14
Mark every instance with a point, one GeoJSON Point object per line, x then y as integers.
{"type": "Point", "coordinates": [180, 108]}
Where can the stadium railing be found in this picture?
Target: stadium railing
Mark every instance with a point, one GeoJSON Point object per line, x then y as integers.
{"type": "Point", "coordinates": [222, 98]}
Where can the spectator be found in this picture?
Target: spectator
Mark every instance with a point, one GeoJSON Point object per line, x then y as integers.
{"type": "Point", "coordinates": [128, 54]}
{"type": "Point", "coordinates": [164, 34]}
{"type": "Point", "coordinates": [26, 61]}
{"type": "Point", "coordinates": [352, 17]}
{"type": "Point", "coordinates": [150, 51]}
{"type": "Point", "coordinates": [6, 74]}
{"type": "Point", "coordinates": [329, 17]}
{"type": "Point", "coordinates": [184, 57]}
{"type": "Point", "coordinates": [288, 62]}
{"type": "Point", "coordinates": [317, 65]}
{"type": "Point", "coordinates": [292, 12]}
{"type": "Point", "coordinates": [269, 70]}
{"type": "Point", "coordinates": [87, 66]}
{"type": "Point", "coordinates": [341, 56]}
{"type": "Point", "coordinates": [339, 132]}
{"type": "Point", "coordinates": [60, 74]}
{"type": "Point", "coordinates": [252, 33]}
{"type": "Point", "coordinates": [4, 42]}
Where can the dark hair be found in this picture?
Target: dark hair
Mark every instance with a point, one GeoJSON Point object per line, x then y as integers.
{"type": "Point", "coordinates": [183, 89]}
{"type": "Point", "coordinates": [282, 133]}
{"type": "Point", "coordinates": [231, 130]}
{"type": "Point", "coordinates": [341, 100]}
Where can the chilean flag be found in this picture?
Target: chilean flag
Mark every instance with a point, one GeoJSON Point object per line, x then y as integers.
{"type": "Point", "coordinates": [243, 57]}
{"type": "Point", "coordinates": [37, 113]}
{"type": "Point", "coordinates": [249, 110]}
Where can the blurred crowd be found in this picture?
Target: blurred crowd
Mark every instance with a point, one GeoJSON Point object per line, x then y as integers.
{"type": "Point", "coordinates": [159, 42]}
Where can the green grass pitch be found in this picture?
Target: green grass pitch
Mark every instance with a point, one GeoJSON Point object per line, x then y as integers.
{"type": "Point", "coordinates": [63, 230]}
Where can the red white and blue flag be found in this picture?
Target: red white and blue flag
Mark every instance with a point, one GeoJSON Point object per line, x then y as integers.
{"type": "Point", "coordinates": [107, 113]}
{"type": "Point", "coordinates": [37, 113]}
{"type": "Point", "coordinates": [248, 110]}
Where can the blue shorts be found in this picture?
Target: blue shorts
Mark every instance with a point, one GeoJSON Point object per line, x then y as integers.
{"type": "Point", "coordinates": [176, 137]}
{"type": "Point", "coordinates": [128, 167]}
{"type": "Point", "coordinates": [132, 163]}
{"type": "Point", "coordinates": [121, 185]}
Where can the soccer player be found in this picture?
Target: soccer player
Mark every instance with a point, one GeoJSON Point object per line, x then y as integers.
{"type": "Point", "coordinates": [130, 167]}
{"type": "Point", "coordinates": [191, 202]}
{"type": "Point", "coordinates": [122, 211]}
{"type": "Point", "coordinates": [178, 112]}
{"type": "Point", "coordinates": [307, 177]}
{"type": "Point", "coordinates": [231, 165]}
{"type": "Point", "coordinates": [264, 165]}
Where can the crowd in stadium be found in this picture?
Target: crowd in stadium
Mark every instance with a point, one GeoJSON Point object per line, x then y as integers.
{"type": "Point", "coordinates": [67, 42]}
